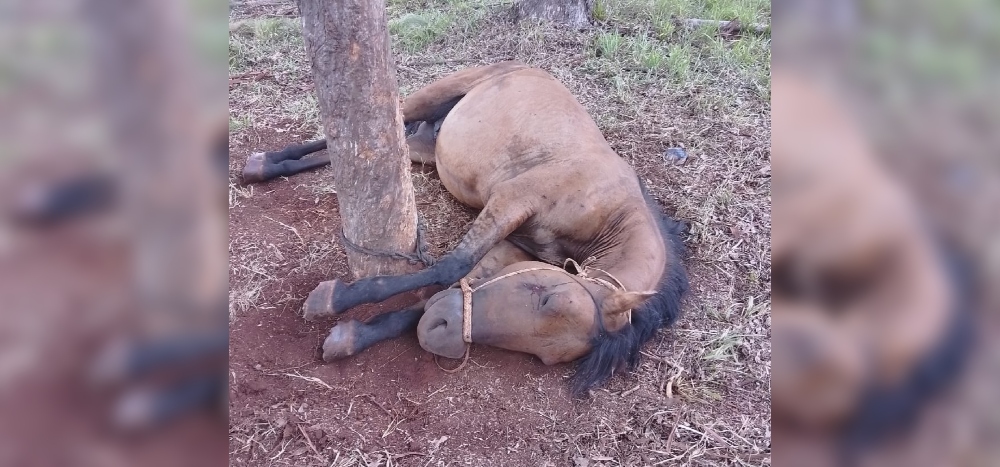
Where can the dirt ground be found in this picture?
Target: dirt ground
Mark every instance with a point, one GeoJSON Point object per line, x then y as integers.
{"type": "Point", "coordinates": [701, 394]}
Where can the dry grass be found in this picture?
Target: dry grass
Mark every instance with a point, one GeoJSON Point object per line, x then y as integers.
{"type": "Point", "coordinates": [701, 397]}
{"type": "Point", "coordinates": [249, 267]}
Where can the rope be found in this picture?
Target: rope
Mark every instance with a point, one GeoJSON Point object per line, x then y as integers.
{"type": "Point", "coordinates": [419, 256]}
{"type": "Point", "coordinates": [457, 368]}
{"type": "Point", "coordinates": [583, 271]}
{"type": "Point", "coordinates": [466, 310]}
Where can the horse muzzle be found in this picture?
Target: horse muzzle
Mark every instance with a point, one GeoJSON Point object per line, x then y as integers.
{"type": "Point", "coordinates": [440, 329]}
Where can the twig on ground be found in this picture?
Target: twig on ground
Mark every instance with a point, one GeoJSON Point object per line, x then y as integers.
{"type": "Point", "coordinates": [670, 437]}
{"type": "Point", "coordinates": [371, 399]}
{"type": "Point", "coordinates": [727, 27]}
{"type": "Point", "coordinates": [293, 229]}
{"type": "Point", "coordinates": [249, 76]}
{"type": "Point", "coordinates": [311, 379]}
{"type": "Point", "coordinates": [308, 441]}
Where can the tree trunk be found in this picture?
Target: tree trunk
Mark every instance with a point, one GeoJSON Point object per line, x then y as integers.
{"type": "Point", "coordinates": [172, 192]}
{"type": "Point", "coordinates": [348, 44]}
{"type": "Point", "coordinates": [573, 13]}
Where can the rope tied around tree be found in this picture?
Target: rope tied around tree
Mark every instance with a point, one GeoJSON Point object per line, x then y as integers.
{"type": "Point", "coordinates": [421, 255]}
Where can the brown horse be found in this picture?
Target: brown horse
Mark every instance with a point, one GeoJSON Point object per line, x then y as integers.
{"type": "Point", "coordinates": [512, 141]}
{"type": "Point", "coordinates": [868, 311]}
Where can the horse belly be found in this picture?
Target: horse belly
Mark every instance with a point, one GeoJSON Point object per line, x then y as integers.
{"type": "Point", "coordinates": [462, 184]}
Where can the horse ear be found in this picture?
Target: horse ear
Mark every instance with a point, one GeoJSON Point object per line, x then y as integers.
{"type": "Point", "coordinates": [620, 302]}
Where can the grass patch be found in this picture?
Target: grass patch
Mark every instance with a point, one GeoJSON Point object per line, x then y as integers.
{"type": "Point", "coordinates": [649, 33]}
{"type": "Point", "coordinates": [599, 11]}
{"type": "Point", "coordinates": [722, 347]}
{"type": "Point", "coordinates": [746, 11]}
{"type": "Point", "coordinates": [415, 31]}
{"type": "Point", "coordinates": [276, 30]}
{"type": "Point", "coordinates": [679, 58]}
{"type": "Point", "coordinates": [264, 42]}
{"type": "Point", "coordinates": [648, 53]}
{"type": "Point", "coordinates": [661, 11]}
{"type": "Point", "coordinates": [608, 44]}
{"type": "Point", "coordinates": [305, 108]}
{"type": "Point", "coordinates": [239, 123]}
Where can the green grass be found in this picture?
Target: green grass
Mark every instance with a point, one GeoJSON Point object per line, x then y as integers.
{"type": "Point", "coordinates": [649, 38]}
{"type": "Point", "coordinates": [608, 44]}
{"type": "Point", "coordinates": [264, 42]}
{"type": "Point", "coordinates": [679, 58]}
{"type": "Point", "coordinates": [722, 347]}
{"type": "Point", "coordinates": [746, 11]}
{"type": "Point", "coordinates": [599, 11]}
{"type": "Point", "coordinates": [239, 123]}
{"type": "Point", "coordinates": [660, 11]}
{"type": "Point", "coordinates": [647, 53]}
{"type": "Point", "coordinates": [415, 31]}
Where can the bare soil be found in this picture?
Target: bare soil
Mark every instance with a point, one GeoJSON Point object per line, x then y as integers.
{"type": "Point", "coordinates": [390, 398]}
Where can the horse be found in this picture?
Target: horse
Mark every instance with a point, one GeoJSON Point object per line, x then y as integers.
{"type": "Point", "coordinates": [569, 258]}
{"type": "Point", "coordinates": [870, 311]}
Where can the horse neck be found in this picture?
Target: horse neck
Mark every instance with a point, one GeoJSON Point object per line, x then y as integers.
{"type": "Point", "coordinates": [637, 255]}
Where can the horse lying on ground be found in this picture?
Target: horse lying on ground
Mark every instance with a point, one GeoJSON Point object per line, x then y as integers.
{"type": "Point", "coordinates": [870, 316]}
{"type": "Point", "coordinates": [514, 142]}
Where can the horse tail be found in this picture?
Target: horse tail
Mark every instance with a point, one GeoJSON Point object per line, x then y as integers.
{"type": "Point", "coordinates": [433, 102]}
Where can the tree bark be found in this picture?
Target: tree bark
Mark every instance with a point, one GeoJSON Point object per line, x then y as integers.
{"type": "Point", "coordinates": [573, 13]}
{"type": "Point", "coordinates": [171, 193]}
{"type": "Point", "coordinates": [348, 44]}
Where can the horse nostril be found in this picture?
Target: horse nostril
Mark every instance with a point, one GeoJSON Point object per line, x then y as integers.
{"type": "Point", "coordinates": [441, 322]}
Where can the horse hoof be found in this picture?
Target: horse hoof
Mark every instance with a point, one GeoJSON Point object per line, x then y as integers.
{"type": "Point", "coordinates": [135, 411]}
{"type": "Point", "coordinates": [340, 343]}
{"type": "Point", "coordinates": [319, 303]}
{"type": "Point", "coordinates": [254, 170]}
{"type": "Point", "coordinates": [111, 365]}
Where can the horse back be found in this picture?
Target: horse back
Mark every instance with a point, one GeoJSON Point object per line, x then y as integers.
{"type": "Point", "coordinates": [524, 132]}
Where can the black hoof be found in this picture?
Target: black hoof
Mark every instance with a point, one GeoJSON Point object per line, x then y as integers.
{"type": "Point", "coordinates": [319, 303]}
{"type": "Point", "coordinates": [255, 169]}
{"type": "Point", "coordinates": [341, 342]}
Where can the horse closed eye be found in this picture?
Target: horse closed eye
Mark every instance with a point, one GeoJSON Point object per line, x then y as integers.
{"type": "Point", "coordinates": [545, 300]}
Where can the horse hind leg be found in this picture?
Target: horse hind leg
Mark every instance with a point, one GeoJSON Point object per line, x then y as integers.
{"type": "Point", "coordinates": [263, 166]}
{"type": "Point", "coordinates": [422, 143]}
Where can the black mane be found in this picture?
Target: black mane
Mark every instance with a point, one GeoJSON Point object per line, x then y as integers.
{"type": "Point", "coordinates": [619, 351]}
{"type": "Point", "coordinates": [886, 411]}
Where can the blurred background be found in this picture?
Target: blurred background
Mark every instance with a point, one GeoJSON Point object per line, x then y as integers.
{"type": "Point", "coordinates": [113, 250]}
{"type": "Point", "coordinates": [885, 233]}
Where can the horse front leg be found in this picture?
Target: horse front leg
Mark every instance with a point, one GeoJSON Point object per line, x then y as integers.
{"type": "Point", "coordinates": [350, 337]}
{"type": "Point", "coordinates": [497, 220]}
